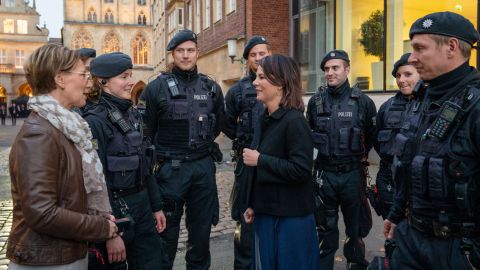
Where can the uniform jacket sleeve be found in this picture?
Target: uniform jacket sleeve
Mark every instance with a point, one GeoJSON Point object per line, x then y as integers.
{"type": "Point", "coordinates": [232, 111]}
{"type": "Point", "coordinates": [38, 179]}
{"type": "Point", "coordinates": [379, 120]}
{"type": "Point", "coordinates": [154, 102]}
{"type": "Point", "coordinates": [219, 110]}
{"type": "Point", "coordinates": [100, 133]}
{"type": "Point", "coordinates": [311, 112]}
{"type": "Point", "coordinates": [296, 165]}
{"type": "Point", "coordinates": [154, 194]}
{"type": "Point", "coordinates": [369, 125]}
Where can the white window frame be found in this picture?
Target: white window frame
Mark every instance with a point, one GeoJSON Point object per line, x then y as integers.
{"type": "Point", "coordinates": [22, 26]}
{"type": "Point", "coordinates": [198, 17]}
{"type": "Point", "coordinates": [3, 56]}
{"type": "Point", "coordinates": [231, 6]}
{"type": "Point", "coordinates": [218, 10]}
{"type": "Point", "coordinates": [10, 3]}
{"type": "Point", "coordinates": [8, 26]}
{"type": "Point", "coordinates": [206, 14]}
{"type": "Point", "coordinates": [190, 15]}
{"type": "Point", "coordinates": [19, 58]}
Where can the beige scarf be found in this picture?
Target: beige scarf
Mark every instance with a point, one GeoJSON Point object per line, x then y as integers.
{"type": "Point", "coordinates": [76, 129]}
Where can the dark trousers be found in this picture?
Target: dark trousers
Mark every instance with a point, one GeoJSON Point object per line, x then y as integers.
{"type": "Point", "coordinates": [285, 243]}
{"type": "Point", "coordinates": [347, 191]}
{"type": "Point", "coordinates": [418, 251]}
{"type": "Point", "coordinates": [243, 238]}
{"type": "Point", "coordinates": [384, 184]}
{"type": "Point", "coordinates": [192, 184]}
{"type": "Point", "coordinates": [3, 120]}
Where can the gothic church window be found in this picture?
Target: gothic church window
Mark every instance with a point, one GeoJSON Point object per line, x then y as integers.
{"type": "Point", "coordinates": [142, 2]}
{"type": "Point", "coordinates": [111, 43]}
{"type": "Point", "coordinates": [109, 16]}
{"type": "Point", "coordinates": [82, 39]}
{"type": "Point", "coordinates": [142, 19]}
{"type": "Point", "coordinates": [140, 50]}
{"type": "Point", "coordinates": [92, 15]}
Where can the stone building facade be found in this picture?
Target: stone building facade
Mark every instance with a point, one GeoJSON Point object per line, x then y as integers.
{"type": "Point", "coordinates": [20, 35]}
{"type": "Point", "coordinates": [113, 25]}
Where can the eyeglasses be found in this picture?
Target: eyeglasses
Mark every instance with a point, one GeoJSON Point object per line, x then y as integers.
{"type": "Point", "coordinates": [87, 74]}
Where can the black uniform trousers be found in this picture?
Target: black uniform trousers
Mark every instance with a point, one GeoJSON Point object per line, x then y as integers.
{"type": "Point", "coordinates": [141, 239]}
{"type": "Point", "coordinates": [191, 184]}
{"type": "Point", "coordinates": [416, 250]}
{"type": "Point", "coordinates": [347, 191]}
{"type": "Point", "coordinates": [384, 184]}
{"type": "Point", "coordinates": [243, 238]}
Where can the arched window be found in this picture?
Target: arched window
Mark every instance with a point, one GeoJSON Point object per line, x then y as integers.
{"type": "Point", "coordinates": [140, 50]}
{"type": "Point", "coordinates": [109, 16]}
{"type": "Point", "coordinates": [111, 43]}
{"type": "Point", "coordinates": [92, 15]}
{"type": "Point", "coordinates": [141, 2]}
{"type": "Point", "coordinates": [82, 39]}
{"type": "Point", "coordinates": [142, 19]}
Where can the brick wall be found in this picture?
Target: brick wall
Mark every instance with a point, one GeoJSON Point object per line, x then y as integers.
{"type": "Point", "coordinates": [232, 25]}
{"type": "Point", "coordinates": [270, 18]}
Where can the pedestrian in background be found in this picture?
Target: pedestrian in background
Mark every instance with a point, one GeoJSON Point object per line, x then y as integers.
{"type": "Point", "coordinates": [59, 195]}
{"type": "Point", "coordinates": [281, 202]}
{"type": "Point", "coordinates": [127, 160]}
{"type": "Point", "coordinates": [87, 55]}
{"type": "Point", "coordinates": [390, 118]}
{"type": "Point", "coordinates": [242, 126]}
{"type": "Point", "coordinates": [185, 111]}
{"type": "Point", "coordinates": [3, 112]}
{"type": "Point", "coordinates": [14, 113]}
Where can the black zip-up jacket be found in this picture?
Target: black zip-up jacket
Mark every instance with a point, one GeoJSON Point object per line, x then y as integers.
{"type": "Point", "coordinates": [283, 184]}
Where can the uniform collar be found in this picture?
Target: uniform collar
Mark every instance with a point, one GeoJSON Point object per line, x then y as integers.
{"type": "Point", "coordinates": [276, 114]}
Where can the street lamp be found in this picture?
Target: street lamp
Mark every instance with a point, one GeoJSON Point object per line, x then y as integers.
{"type": "Point", "coordinates": [232, 50]}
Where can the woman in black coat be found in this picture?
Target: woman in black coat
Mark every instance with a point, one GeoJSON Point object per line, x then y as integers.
{"type": "Point", "coordinates": [282, 199]}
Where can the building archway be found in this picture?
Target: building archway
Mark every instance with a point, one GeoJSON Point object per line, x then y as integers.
{"type": "Point", "coordinates": [137, 91]}
{"type": "Point", "coordinates": [24, 90]}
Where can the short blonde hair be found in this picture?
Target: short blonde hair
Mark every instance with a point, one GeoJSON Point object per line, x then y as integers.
{"type": "Point", "coordinates": [45, 63]}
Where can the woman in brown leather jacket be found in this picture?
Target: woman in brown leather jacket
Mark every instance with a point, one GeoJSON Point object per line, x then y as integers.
{"type": "Point", "coordinates": [58, 188]}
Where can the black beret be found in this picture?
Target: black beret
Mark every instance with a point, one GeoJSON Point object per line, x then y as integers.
{"type": "Point", "coordinates": [180, 37]}
{"type": "Point", "coordinates": [403, 61]}
{"type": "Point", "coordinates": [446, 24]}
{"type": "Point", "coordinates": [335, 54]}
{"type": "Point", "coordinates": [110, 64]}
{"type": "Point", "coordinates": [87, 52]}
{"type": "Point", "coordinates": [252, 42]}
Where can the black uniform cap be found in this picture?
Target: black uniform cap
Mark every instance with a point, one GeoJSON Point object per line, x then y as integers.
{"type": "Point", "coordinates": [110, 64]}
{"type": "Point", "coordinates": [335, 54]}
{"type": "Point", "coordinates": [403, 61]}
{"type": "Point", "coordinates": [180, 37]}
{"type": "Point", "coordinates": [446, 24]}
{"type": "Point", "coordinates": [252, 42]}
{"type": "Point", "coordinates": [87, 52]}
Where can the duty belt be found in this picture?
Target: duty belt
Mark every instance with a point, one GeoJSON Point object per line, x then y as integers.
{"type": "Point", "coordinates": [444, 231]}
{"type": "Point", "coordinates": [118, 193]}
{"type": "Point", "coordinates": [162, 156]}
{"type": "Point", "coordinates": [339, 168]}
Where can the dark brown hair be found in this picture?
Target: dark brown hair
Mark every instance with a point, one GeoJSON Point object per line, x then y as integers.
{"type": "Point", "coordinates": [283, 71]}
{"type": "Point", "coordinates": [45, 63]}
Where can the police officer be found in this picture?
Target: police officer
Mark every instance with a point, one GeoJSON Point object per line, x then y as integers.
{"type": "Point", "coordinates": [185, 111]}
{"type": "Point", "coordinates": [241, 123]}
{"type": "Point", "coordinates": [389, 120]}
{"type": "Point", "coordinates": [342, 121]}
{"type": "Point", "coordinates": [127, 162]}
{"type": "Point", "coordinates": [437, 155]}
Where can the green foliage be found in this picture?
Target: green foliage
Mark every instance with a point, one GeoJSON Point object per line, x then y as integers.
{"type": "Point", "coordinates": [373, 34]}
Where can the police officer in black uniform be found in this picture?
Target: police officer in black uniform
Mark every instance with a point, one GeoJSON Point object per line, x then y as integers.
{"type": "Point", "coordinates": [185, 111]}
{"type": "Point", "coordinates": [126, 157]}
{"type": "Point", "coordinates": [3, 112]}
{"type": "Point", "coordinates": [437, 153]}
{"type": "Point", "coordinates": [389, 120]}
{"type": "Point", "coordinates": [342, 121]}
{"type": "Point", "coordinates": [241, 123]}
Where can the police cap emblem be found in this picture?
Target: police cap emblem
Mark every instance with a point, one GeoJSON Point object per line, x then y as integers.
{"type": "Point", "coordinates": [427, 23]}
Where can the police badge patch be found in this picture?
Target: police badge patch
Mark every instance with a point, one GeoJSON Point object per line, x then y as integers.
{"type": "Point", "coordinates": [427, 23]}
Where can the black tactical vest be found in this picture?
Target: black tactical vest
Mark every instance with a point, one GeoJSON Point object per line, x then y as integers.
{"type": "Point", "coordinates": [124, 157]}
{"type": "Point", "coordinates": [250, 111]}
{"type": "Point", "coordinates": [393, 117]}
{"type": "Point", "coordinates": [187, 123]}
{"type": "Point", "coordinates": [443, 171]}
{"type": "Point", "coordinates": [338, 130]}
